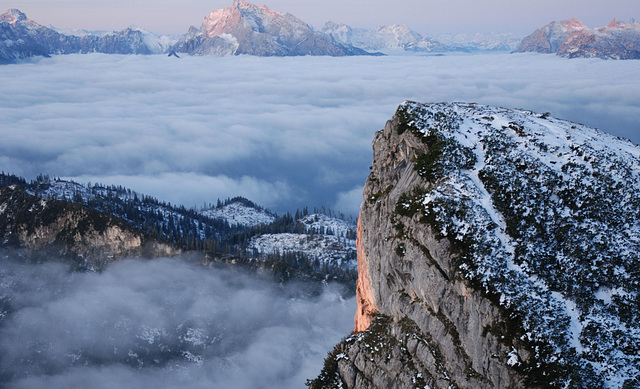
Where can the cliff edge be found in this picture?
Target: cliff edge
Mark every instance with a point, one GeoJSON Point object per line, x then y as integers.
{"type": "Point", "coordinates": [496, 249]}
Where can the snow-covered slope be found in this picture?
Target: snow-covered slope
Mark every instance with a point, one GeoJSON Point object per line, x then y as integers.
{"type": "Point", "coordinates": [327, 249]}
{"type": "Point", "coordinates": [548, 214]}
{"type": "Point", "coordinates": [240, 213]}
{"type": "Point", "coordinates": [324, 239]}
{"type": "Point", "coordinates": [325, 225]}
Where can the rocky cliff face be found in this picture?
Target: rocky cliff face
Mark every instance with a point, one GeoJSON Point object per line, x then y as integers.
{"type": "Point", "coordinates": [42, 229]}
{"type": "Point", "coordinates": [487, 249]}
{"type": "Point", "coordinates": [572, 39]}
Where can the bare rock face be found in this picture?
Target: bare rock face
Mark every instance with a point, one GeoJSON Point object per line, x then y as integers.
{"type": "Point", "coordinates": [43, 229]}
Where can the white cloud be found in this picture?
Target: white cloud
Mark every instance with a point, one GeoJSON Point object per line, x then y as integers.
{"type": "Point", "coordinates": [194, 189]}
{"type": "Point", "coordinates": [163, 323]}
{"type": "Point", "coordinates": [300, 125]}
{"type": "Point", "coordinates": [348, 201]}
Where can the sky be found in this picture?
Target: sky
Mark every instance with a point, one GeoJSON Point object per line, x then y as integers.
{"type": "Point", "coordinates": [286, 133]}
{"type": "Point", "coordinates": [163, 323]}
{"type": "Point", "coordinates": [424, 16]}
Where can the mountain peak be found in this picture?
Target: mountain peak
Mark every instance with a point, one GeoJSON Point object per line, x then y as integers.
{"type": "Point", "coordinates": [245, 28]}
{"type": "Point", "coordinates": [241, 4]}
{"type": "Point", "coordinates": [13, 15]}
{"type": "Point", "coordinates": [614, 24]}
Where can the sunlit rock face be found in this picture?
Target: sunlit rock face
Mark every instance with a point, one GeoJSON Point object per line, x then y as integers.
{"type": "Point", "coordinates": [246, 28]}
{"type": "Point", "coordinates": [367, 307]}
{"type": "Point", "coordinates": [490, 243]}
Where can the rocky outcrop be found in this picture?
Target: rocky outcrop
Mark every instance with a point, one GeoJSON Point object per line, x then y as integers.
{"type": "Point", "coordinates": [490, 243]}
{"type": "Point", "coordinates": [41, 229]}
{"type": "Point", "coordinates": [572, 39]}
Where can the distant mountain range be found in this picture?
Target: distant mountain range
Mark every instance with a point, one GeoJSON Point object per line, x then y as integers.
{"type": "Point", "coordinates": [399, 38]}
{"type": "Point", "coordinates": [245, 28]}
{"type": "Point", "coordinates": [573, 39]}
{"type": "Point", "coordinates": [21, 38]}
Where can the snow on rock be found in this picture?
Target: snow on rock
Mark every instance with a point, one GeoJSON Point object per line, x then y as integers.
{"type": "Point", "coordinates": [323, 248]}
{"type": "Point", "coordinates": [549, 212]}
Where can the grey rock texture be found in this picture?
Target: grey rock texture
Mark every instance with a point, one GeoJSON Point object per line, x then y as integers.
{"type": "Point", "coordinates": [572, 39]}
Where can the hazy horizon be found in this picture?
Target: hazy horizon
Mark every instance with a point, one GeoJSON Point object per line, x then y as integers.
{"type": "Point", "coordinates": [425, 17]}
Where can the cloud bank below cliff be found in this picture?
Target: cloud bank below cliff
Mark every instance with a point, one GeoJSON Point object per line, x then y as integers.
{"type": "Point", "coordinates": [284, 132]}
{"type": "Point", "coordinates": [161, 323]}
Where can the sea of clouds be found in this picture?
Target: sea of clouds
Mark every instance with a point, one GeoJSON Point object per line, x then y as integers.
{"type": "Point", "coordinates": [283, 132]}
{"type": "Point", "coordinates": [164, 323]}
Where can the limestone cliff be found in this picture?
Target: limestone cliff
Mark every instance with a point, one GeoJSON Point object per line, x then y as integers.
{"type": "Point", "coordinates": [476, 246]}
{"type": "Point", "coordinates": [42, 229]}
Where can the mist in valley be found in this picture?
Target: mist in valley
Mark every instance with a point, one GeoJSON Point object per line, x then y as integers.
{"type": "Point", "coordinates": [162, 323]}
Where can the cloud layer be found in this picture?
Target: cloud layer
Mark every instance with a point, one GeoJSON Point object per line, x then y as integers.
{"type": "Point", "coordinates": [285, 132]}
{"type": "Point", "coordinates": [164, 324]}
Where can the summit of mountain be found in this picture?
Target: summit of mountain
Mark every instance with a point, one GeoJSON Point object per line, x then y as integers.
{"type": "Point", "coordinates": [245, 28]}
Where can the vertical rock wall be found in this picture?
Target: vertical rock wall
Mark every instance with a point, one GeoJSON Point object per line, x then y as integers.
{"type": "Point", "coordinates": [426, 326]}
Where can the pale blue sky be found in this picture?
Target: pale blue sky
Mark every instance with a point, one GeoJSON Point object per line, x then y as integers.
{"type": "Point", "coordinates": [424, 16]}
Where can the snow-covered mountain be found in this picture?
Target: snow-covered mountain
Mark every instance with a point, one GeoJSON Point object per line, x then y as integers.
{"type": "Point", "coordinates": [246, 28]}
{"type": "Point", "coordinates": [572, 38]}
{"type": "Point", "coordinates": [386, 39]}
{"type": "Point", "coordinates": [21, 37]}
{"type": "Point", "coordinates": [497, 248]}
{"type": "Point", "coordinates": [400, 38]}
